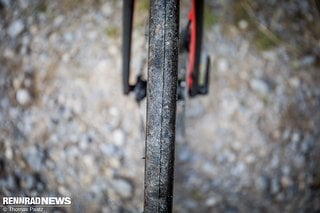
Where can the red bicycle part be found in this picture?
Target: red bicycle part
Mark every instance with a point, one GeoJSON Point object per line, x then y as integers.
{"type": "Point", "coordinates": [196, 30]}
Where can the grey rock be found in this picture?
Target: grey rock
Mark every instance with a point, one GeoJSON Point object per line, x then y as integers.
{"type": "Point", "coordinates": [72, 152]}
{"type": "Point", "coordinates": [307, 144]}
{"type": "Point", "coordinates": [24, 48]}
{"type": "Point", "coordinates": [24, 4]}
{"type": "Point", "coordinates": [66, 57]}
{"type": "Point", "coordinates": [275, 185]}
{"type": "Point", "coordinates": [295, 137]}
{"type": "Point", "coordinates": [8, 53]}
{"type": "Point", "coordinates": [286, 134]}
{"type": "Point", "coordinates": [88, 161]}
{"type": "Point", "coordinates": [107, 9]}
{"type": "Point", "coordinates": [298, 161]}
{"type": "Point", "coordinates": [83, 145]}
{"type": "Point", "coordinates": [92, 35]}
{"type": "Point", "coordinates": [286, 170]}
{"type": "Point", "coordinates": [40, 186]}
{"type": "Point", "coordinates": [4, 103]}
{"type": "Point", "coordinates": [286, 181]}
{"type": "Point", "coordinates": [191, 204]}
{"type": "Point", "coordinates": [280, 197]}
{"type": "Point", "coordinates": [15, 28]}
{"type": "Point", "coordinates": [294, 82]}
{"type": "Point", "coordinates": [8, 152]}
{"type": "Point", "coordinates": [250, 158]}
{"type": "Point", "coordinates": [27, 181]}
{"type": "Point", "coordinates": [83, 142]}
{"type": "Point", "coordinates": [118, 137]}
{"type": "Point", "coordinates": [123, 187]}
{"type": "Point", "coordinates": [308, 60]}
{"type": "Point", "coordinates": [208, 168]}
{"type": "Point", "coordinates": [212, 201]}
{"type": "Point", "coordinates": [58, 20]}
{"type": "Point", "coordinates": [294, 146]}
{"type": "Point", "coordinates": [195, 109]}
{"type": "Point", "coordinates": [115, 117]}
{"type": "Point", "coordinates": [108, 149]}
{"type": "Point", "coordinates": [6, 2]}
{"type": "Point", "coordinates": [23, 97]}
{"type": "Point", "coordinates": [239, 169]}
{"type": "Point", "coordinates": [262, 183]}
{"type": "Point", "coordinates": [10, 182]}
{"type": "Point", "coordinates": [222, 65]}
{"type": "Point", "coordinates": [229, 156]}
{"type": "Point", "coordinates": [34, 158]}
{"type": "Point", "coordinates": [68, 37]}
{"type": "Point", "coordinates": [275, 161]}
{"type": "Point", "coordinates": [243, 24]}
{"type": "Point", "coordinates": [114, 162]}
{"type": "Point", "coordinates": [63, 191]}
{"type": "Point", "coordinates": [184, 155]}
{"type": "Point", "coordinates": [260, 86]}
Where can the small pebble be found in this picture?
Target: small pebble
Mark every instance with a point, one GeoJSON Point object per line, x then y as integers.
{"type": "Point", "coordinates": [286, 181]}
{"type": "Point", "coordinates": [308, 60]}
{"type": "Point", "coordinates": [275, 186]}
{"type": "Point", "coordinates": [260, 86]}
{"type": "Point", "coordinates": [262, 183]}
{"type": "Point", "coordinates": [123, 188]}
{"type": "Point", "coordinates": [8, 152]}
{"type": "Point", "coordinates": [243, 24]}
{"type": "Point", "coordinates": [23, 97]}
{"type": "Point", "coordinates": [222, 65]}
{"type": "Point", "coordinates": [15, 28]}
{"type": "Point", "coordinates": [58, 20]}
{"type": "Point", "coordinates": [34, 158]}
{"type": "Point", "coordinates": [212, 201]}
{"type": "Point", "coordinates": [118, 137]}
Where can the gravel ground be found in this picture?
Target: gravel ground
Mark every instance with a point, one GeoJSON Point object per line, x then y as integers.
{"type": "Point", "coordinates": [252, 144]}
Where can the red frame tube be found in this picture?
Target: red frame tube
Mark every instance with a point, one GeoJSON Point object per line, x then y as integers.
{"type": "Point", "coordinates": [192, 19]}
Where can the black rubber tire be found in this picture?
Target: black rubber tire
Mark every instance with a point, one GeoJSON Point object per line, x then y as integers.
{"type": "Point", "coordinates": [127, 19]}
{"type": "Point", "coordinates": [161, 105]}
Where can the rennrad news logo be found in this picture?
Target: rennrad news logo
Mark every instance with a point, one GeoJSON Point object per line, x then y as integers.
{"type": "Point", "coordinates": [41, 201]}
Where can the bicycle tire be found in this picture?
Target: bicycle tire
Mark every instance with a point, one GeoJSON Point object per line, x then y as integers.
{"type": "Point", "coordinates": [161, 105]}
{"type": "Point", "coordinates": [127, 22]}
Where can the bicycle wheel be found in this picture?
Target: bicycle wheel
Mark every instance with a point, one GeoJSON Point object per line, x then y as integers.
{"type": "Point", "coordinates": [161, 105]}
{"type": "Point", "coordinates": [127, 18]}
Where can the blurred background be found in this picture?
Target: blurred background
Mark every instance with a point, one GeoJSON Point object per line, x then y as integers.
{"type": "Point", "coordinates": [252, 144]}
